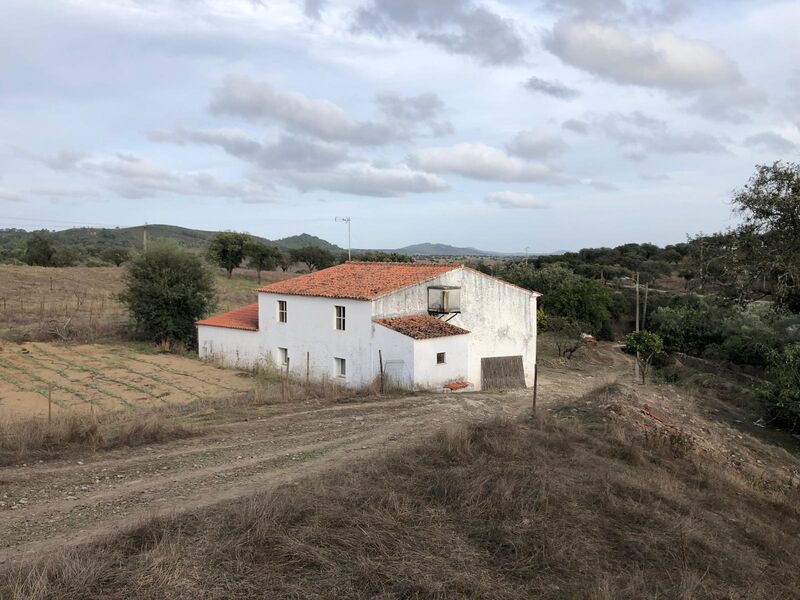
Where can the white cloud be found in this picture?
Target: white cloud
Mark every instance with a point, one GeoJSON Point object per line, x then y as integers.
{"type": "Point", "coordinates": [135, 177]}
{"type": "Point", "coordinates": [245, 97]}
{"type": "Point", "coordinates": [556, 89]}
{"type": "Point", "coordinates": [535, 144]}
{"type": "Point", "coordinates": [9, 196]}
{"type": "Point", "coordinates": [286, 151]}
{"type": "Point", "coordinates": [515, 200]}
{"type": "Point", "coordinates": [661, 60]}
{"type": "Point", "coordinates": [482, 162]}
{"type": "Point", "coordinates": [364, 179]}
{"type": "Point", "coordinates": [640, 134]}
{"type": "Point", "coordinates": [769, 141]}
{"type": "Point", "coordinates": [458, 26]}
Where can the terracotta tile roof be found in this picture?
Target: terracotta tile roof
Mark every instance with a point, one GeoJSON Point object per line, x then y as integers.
{"type": "Point", "coordinates": [244, 317]}
{"type": "Point", "coordinates": [421, 327]}
{"type": "Point", "coordinates": [359, 280]}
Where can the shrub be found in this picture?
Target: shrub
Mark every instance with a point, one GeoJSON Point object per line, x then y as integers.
{"type": "Point", "coordinates": [784, 398]}
{"type": "Point", "coordinates": [39, 251]}
{"type": "Point", "coordinates": [167, 290]}
{"type": "Point", "coordinates": [646, 345]}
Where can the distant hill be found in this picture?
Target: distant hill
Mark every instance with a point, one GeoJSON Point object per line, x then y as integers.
{"type": "Point", "coordinates": [305, 239]}
{"type": "Point", "coordinates": [430, 249]}
{"type": "Point", "coordinates": [131, 237]}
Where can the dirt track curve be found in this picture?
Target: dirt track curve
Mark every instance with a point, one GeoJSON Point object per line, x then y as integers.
{"type": "Point", "coordinates": [48, 505]}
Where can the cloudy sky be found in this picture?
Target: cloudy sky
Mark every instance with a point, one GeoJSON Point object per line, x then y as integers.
{"type": "Point", "coordinates": [552, 124]}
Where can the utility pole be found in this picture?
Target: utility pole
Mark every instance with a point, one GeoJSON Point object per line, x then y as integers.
{"type": "Point", "coordinates": [636, 372]}
{"type": "Point", "coordinates": [346, 220]}
{"type": "Point", "coordinates": [526, 254]}
{"type": "Point", "coordinates": [144, 237]}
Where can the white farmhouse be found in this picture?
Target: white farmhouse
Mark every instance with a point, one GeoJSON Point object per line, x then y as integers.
{"type": "Point", "coordinates": [427, 325]}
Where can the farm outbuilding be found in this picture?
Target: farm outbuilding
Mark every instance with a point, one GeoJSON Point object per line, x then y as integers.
{"type": "Point", "coordinates": [427, 325]}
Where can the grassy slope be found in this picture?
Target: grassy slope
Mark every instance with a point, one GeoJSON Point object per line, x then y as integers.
{"type": "Point", "coordinates": [593, 505]}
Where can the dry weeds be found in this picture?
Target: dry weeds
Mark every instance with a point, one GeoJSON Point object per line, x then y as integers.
{"type": "Point", "coordinates": [548, 508]}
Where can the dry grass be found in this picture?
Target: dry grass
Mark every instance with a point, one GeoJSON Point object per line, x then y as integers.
{"type": "Point", "coordinates": [548, 508]}
{"type": "Point", "coordinates": [24, 440]}
{"type": "Point", "coordinates": [80, 303]}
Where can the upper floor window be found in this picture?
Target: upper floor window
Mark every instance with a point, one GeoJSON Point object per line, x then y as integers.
{"type": "Point", "coordinates": [441, 358]}
{"type": "Point", "coordinates": [340, 318]}
{"type": "Point", "coordinates": [282, 313]}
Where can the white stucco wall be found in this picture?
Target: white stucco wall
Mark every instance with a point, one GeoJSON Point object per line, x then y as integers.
{"type": "Point", "coordinates": [398, 354]}
{"type": "Point", "coordinates": [501, 317]}
{"type": "Point", "coordinates": [429, 374]}
{"type": "Point", "coordinates": [232, 347]}
{"type": "Point", "coordinates": [311, 328]}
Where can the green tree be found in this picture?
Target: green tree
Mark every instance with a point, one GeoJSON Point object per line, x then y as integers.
{"type": "Point", "coordinates": [227, 250]}
{"type": "Point", "coordinates": [262, 257]}
{"type": "Point", "coordinates": [379, 256]}
{"type": "Point", "coordinates": [566, 334]}
{"type": "Point", "coordinates": [167, 289]}
{"type": "Point", "coordinates": [39, 251]}
{"type": "Point", "coordinates": [115, 254]}
{"type": "Point", "coordinates": [586, 302]}
{"type": "Point", "coordinates": [313, 257]}
{"type": "Point", "coordinates": [646, 346]}
{"type": "Point", "coordinates": [784, 368]}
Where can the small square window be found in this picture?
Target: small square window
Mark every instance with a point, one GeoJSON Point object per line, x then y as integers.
{"type": "Point", "coordinates": [283, 356]}
{"type": "Point", "coordinates": [282, 312]}
{"type": "Point", "coordinates": [441, 358]}
{"type": "Point", "coordinates": [340, 365]}
{"type": "Point", "coordinates": [340, 318]}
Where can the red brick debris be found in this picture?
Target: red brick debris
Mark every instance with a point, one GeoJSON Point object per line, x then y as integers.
{"type": "Point", "coordinates": [421, 327]}
{"type": "Point", "coordinates": [360, 280]}
{"type": "Point", "coordinates": [244, 317]}
{"type": "Point", "coordinates": [456, 385]}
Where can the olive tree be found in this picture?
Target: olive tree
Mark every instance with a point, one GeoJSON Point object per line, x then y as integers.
{"type": "Point", "coordinates": [227, 250]}
{"type": "Point", "coordinates": [262, 257]}
{"type": "Point", "coordinates": [166, 290]}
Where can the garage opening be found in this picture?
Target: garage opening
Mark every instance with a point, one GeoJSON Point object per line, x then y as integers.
{"type": "Point", "coordinates": [502, 373]}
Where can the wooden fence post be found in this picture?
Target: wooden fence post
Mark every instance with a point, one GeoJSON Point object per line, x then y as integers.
{"type": "Point", "coordinates": [285, 386]}
{"type": "Point", "coordinates": [308, 367]}
{"type": "Point", "coordinates": [380, 365]}
{"type": "Point", "coordinates": [49, 402]}
{"type": "Point", "coordinates": [535, 384]}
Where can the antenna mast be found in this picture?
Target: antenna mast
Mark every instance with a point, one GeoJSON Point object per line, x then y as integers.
{"type": "Point", "coordinates": [346, 220]}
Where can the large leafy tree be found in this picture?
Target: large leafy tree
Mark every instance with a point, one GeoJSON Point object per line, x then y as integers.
{"type": "Point", "coordinates": [167, 289]}
{"type": "Point", "coordinates": [313, 257]}
{"type": "Point", "coordinates": [761, 256]}
{"type": "Point", "coordinates": [227, 250]}
{"type": "Point", "coordinates": [262, 257]}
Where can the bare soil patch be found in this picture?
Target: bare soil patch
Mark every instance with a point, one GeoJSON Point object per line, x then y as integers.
{"type": "Point", "coordinates": [97, 378]}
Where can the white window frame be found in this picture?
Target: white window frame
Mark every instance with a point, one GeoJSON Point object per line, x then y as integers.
{"type": "Point", "coordinates": [283, 311]}
{"type": "Point", "coordinates": [340, 320]}
{"type": "Point", "coordinates": [444, 358]}
{"type": "Point", "coordinates": [283, 356]}
{"type": "Point", "coordinates": [340, 367]}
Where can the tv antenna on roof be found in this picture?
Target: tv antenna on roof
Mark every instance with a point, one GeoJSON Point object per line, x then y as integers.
{"type": "Point", "coordinates": [346, 220]}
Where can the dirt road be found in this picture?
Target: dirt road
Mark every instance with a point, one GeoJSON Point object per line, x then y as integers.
{"type": "Point", "coordinates": [45, 506]}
